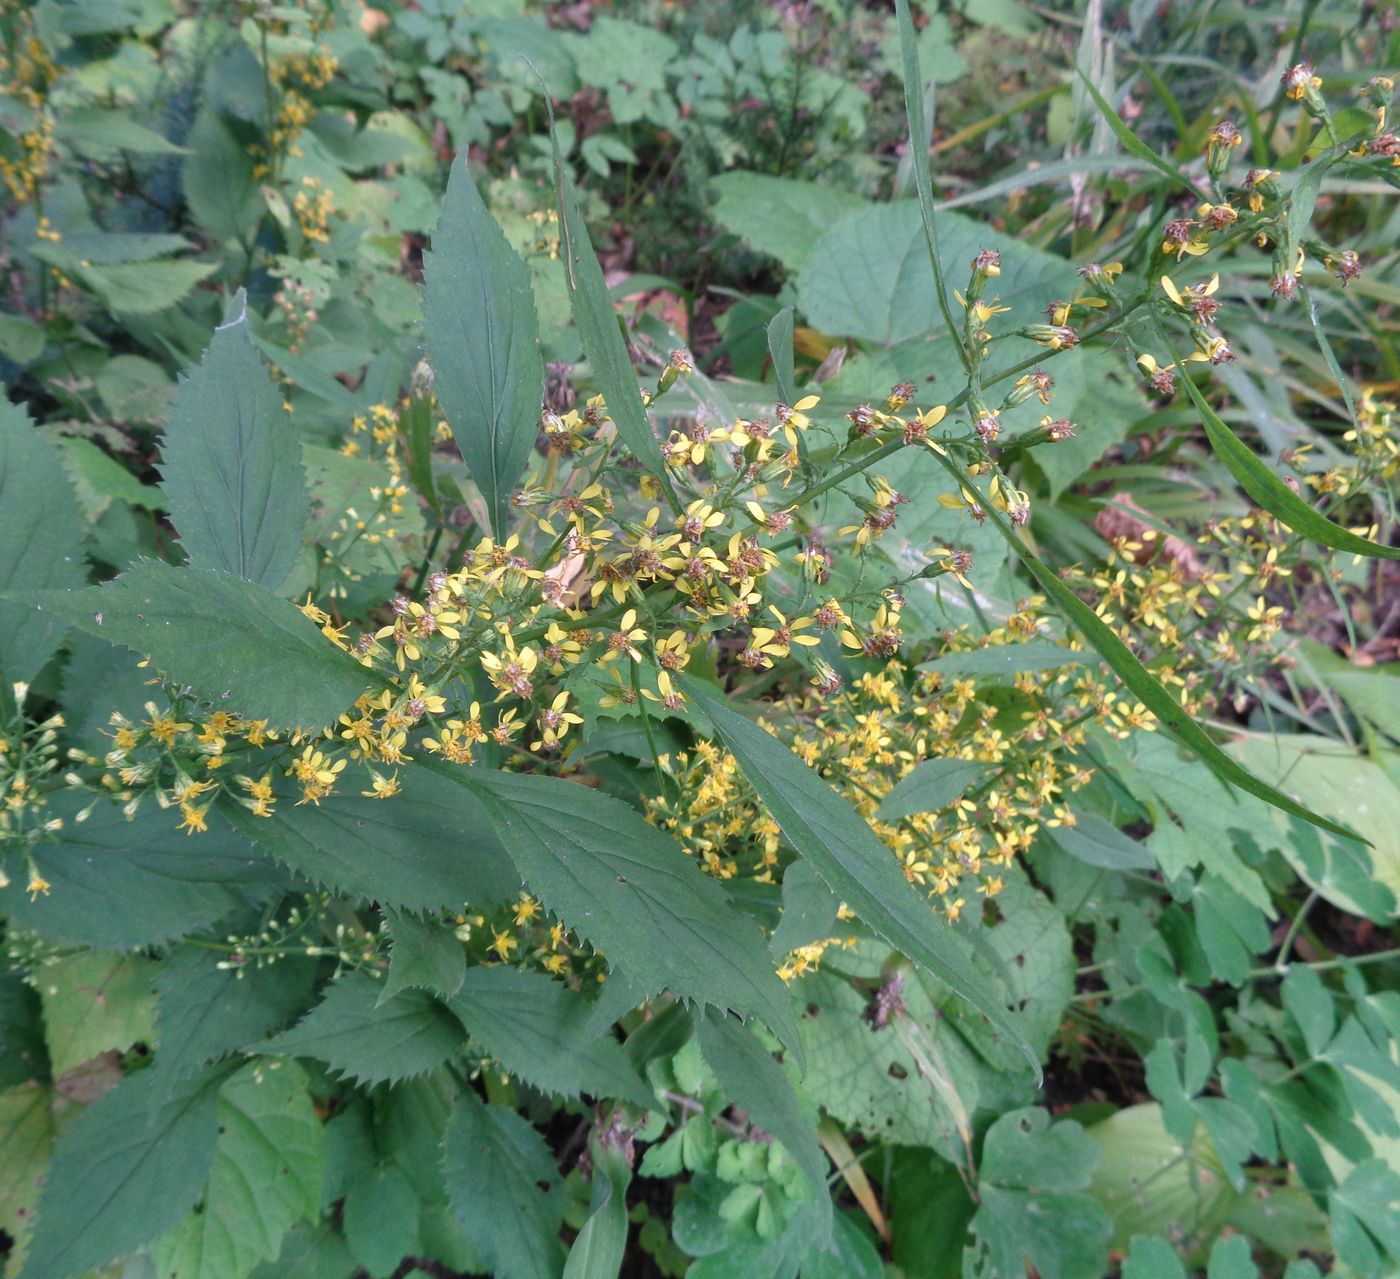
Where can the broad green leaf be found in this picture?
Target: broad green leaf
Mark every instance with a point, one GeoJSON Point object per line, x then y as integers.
{"type": "Point", "coordinates": [504, 1190]}
{"type": "Point", "coordinates": [428, 848]}
{"type": "Point", "coordinates": [780, 217]}
{"type": "Point", "coordinates": [110, 248]}
{"type": "Point", "coordinates": [1025, 1213]}
{"type": "Point", "coordinates": [1134, 145]}
{"type": "Point", "coordinates": [1098, 842]}
{"type": "Point", "coordinates": [1366, 1219]}
{"type": "Point", "coordinates": [483, 341]}
{"type": "Point", "coordinates": [23, 1054]}
{"type": "Point", "coordinates": [381, 1214]}
{"type": "Point", "coordinates": [371, 1043]}
{"type": "Point", "coordinates": [99, 479]}
{"type": "Point", "coordinates": [131, 1165]}
{"type": "Point", "coordinates": [143, 288]}
{"type": "Point", "coordinates": [96, 1001]}
{"type": "Point", "coordinates": [752, 1079]}
{"type": "Point", "coordinates": [231, 463]}
{"type": "Point", "coordinates": [423, 953]}
{"type": "Point", "coordinates": [601, 1246]}
{"type": "Point", "coordinates": [26, 1142]}
{"type": "Point", "coordinates": [156, 883]}
{"type": "Point", "coordinates": [234, 642]}
{"type": "Point", "coordinates": [1232, 1258]}
{"type": "Point", "coordinates": [598, 331]}
{"type": "Point", "coordinates": [205, 1010]}
{"type": "Point", "coordinates": [217, 178]}
{"type": "Point", "coordinates": [809, 910]}
{"type": "Point", "coordinates": [1230, 929]}
{"type": "Point", "coordinates": [535, 1027]}
{"type": "Point", "coordinates": [628, 889]}
{"type": "Point", "coordinates": [21, 339]}
{"type": "Point", "coordinates": [41, 538]}
{"type": "Point", "coordinates": [92, 130]}
{"type": "Point", "coordinates": [1140, 681]}
{"type": "Point", "coordinates": [823, 828]}
{"type": "Point", "coordinates": [266, 1177]}
{"type": "Point", "coordinates": [1152, 1258]}
{"type": "Point", "coordinates": [931, 785]}
{"type": "Point", "coordinates": [1270, 491]}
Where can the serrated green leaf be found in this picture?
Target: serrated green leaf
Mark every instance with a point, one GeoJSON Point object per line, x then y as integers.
{"type": "Point", "coordinates": [266, 1177]}
{"type": "Point", "coordinates": [94, 1002]}
{"type": "Point", "coordinates": [536, 1029]}
{"type": "Point", "coordinates": [423, 953]}
{"type": "Point", "coordinates": [857, 867]}
{"type": "Point", "coordinates": [129, 1168]}
{"type": "Point", "coordinates": [231, 463]}
{"type": "Point", "coordinates": [360, 1039]}
{"type": "Point", "coordinates": [429, 848]}
{"type": "Point", "coordinates": [780, 217]}
{"type": "Point", "coordinates": [204, 1011]}
{"type": "Point", "coordinates": [629, 889]}
{"type": "Point", "coordinates": [217, 180]}
{"type": "Point", "coordinates": [234, 642]}
{"type": "Point", "coordinates": [598, 332]}
{"type": "Point", "coordinates": [1270, 492]}
{"type": "Point", "coordinates": [749, 1076]}
{"type": "Point", "coordinates": [1140, 681]}
{"type": "Point", "coordinates": [157, 883]}
{"type": "Point", "coordinates": [91, 130]}
{"type": "Point", "coordinates": [483, 340]}
{"type": "Point", "coordinates": [601, 1246]}
{"type": "Point", "coordinates": [143, 288]}
{"type": "Point", "coordinates": [41, 538]}
{"type": "Point", "coordinates": [381, 1219]}
{"type": "Point", "coordinates": [931, 785]}
{"type": "Point", "coordinates": [503, 1188]}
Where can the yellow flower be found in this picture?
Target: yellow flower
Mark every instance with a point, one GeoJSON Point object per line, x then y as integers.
{"type": "Point", "coordinates": [625, 639]}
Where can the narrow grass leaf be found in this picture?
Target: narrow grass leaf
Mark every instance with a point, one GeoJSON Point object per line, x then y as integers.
{"type": "Point", "coordinates": [601, 1246]}
{"type": "Point", "coordinates": [1134, 145]}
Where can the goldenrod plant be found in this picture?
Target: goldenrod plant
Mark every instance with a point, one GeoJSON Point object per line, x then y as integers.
{"type": "Point", "coordinates": [849, 733]}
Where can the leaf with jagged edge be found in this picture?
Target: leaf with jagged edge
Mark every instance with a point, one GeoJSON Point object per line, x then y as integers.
{"type": "Point", "coordinates": [267, 1177]}
{"type": "Point", "coordinates": [360, 1039]}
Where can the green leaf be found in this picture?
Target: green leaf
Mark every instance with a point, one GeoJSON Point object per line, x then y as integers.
{"type": "Point", "coordinates": [205, 1010]}
{"type": "Point", "coordinates": [94, 1002]}
{"type": "Point", "coordinates": [381, 1219]}
{"type": "Point", "coordinates": [483, 341]}
{"type": "Point", "coordinates": [371, 1043]}
{"type": "Point", "coordinates": [99, 479]}
{"type": "Point", "coordinates": [535, 1027]}
{"type": "Point", "coordinates": [26, 1142]}
{"type": "Point", "coordinates": [427, 849]}
{"type": "Point", "coordinates": [751, 1078]}
{"type": "Point", "coordinates": [1141, 683]}
{"type": "Point", "coordinates": [1270, 492]}
{"type": "Point", "coordinates": [1366, 1219]}
{"type": "Point", "coordinates": [94, 131]}
{"type": "Point", "coordinates": [1025, 1214]}
{"type": "Point", "coordinates": [1232, 1258]}
{"type": "Point", "coordinates": [857, 867]}
{"type": "Point", "coordinates": [1098, 842]}
{"type": "Point", "coordinates": [1005, 659]}
{"type": "Point", "coordinates": [780, 217]}
{"type": "Point", "coordinates": [1134, 145]}
{"type": "Point", "coordinates": [598, 332]}
{"type": "Point", "coordinates": [218, 182]}
{"type": "Point", "coordinates": [503, 1188]}
{"type": "Point", "coordinates": [809, 910]}
{"type": "Point", "coordinates": [143, 288]}
{"type": "Point", "coordinates": [41, 538]}
{"type": "Point", "coordinates": [129, 1168]}
{"type": "Point", "coordinates": [628, 889]}
{"type": "Point", "coordinates": [156, 882]}
{"type": "Point", "coordinates": [780, 352]}
{"type": "Point", "coordinates": [234, 642]}
{"type": "Point", "coordinates": [601, 1246]}
{"type": "Point", "coordinates": [231, 463]}
{"type": "Point", "coordinates": [932, 784]}
{"type": "Point", "coordinates": [267, 1177]}
{"type": "Point", "coordinates": [423, 953]}
{"type": "Point", "coordinates": [1152, 1258]}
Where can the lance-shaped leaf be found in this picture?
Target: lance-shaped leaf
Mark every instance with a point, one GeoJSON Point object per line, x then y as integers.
{"type": "Point", "coordinates": [483, 341]}
{"type": "Point", "coordinates": [598, 331]}
{"type": "Point", "coordinates": [231, 463]}
{"type": "Point", "coordinates": [601, 1246]}
{"type": "Point", "coordinates": [751, 1078]}
{"type": "Point", "coordinates": [41, 536]}
{"type": "Point", "coordinates": [1139, 680]}
{"type": "Point", "coordinates": [1270, 491]}
{"type": "Point", "coordinates": [823, 828]}
{"type": "Point", "coordinates": [128, 1168]}
{"type": "Point", "coordinates": [628, 889]}
{"type": "Point", "coordinates": [233, 642]}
